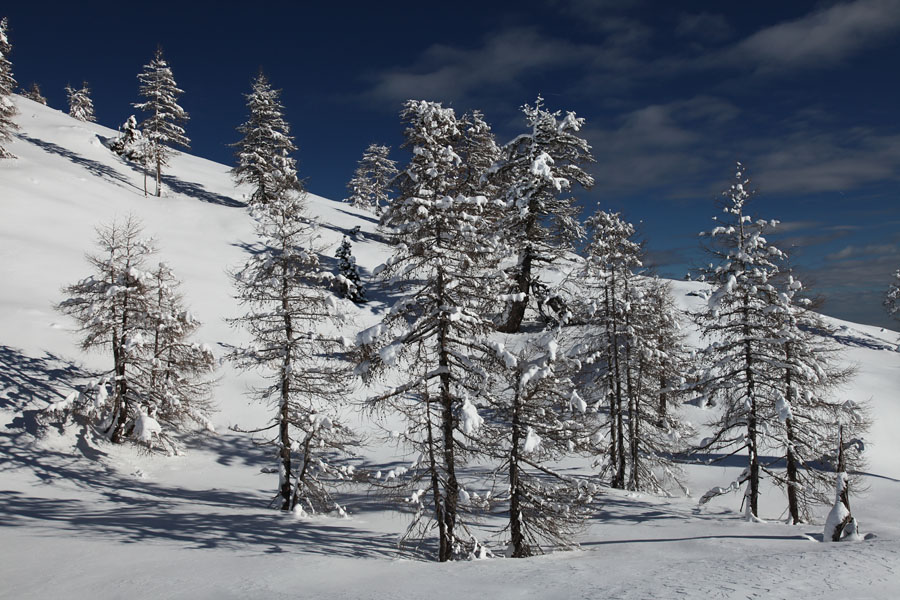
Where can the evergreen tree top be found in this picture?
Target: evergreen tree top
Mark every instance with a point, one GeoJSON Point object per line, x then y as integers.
{"type": "Point", "coordinates": [264, 153]}
{"type": "Point", "coordinates": [161, 104]}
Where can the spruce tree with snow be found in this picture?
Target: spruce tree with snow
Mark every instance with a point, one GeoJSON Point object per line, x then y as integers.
{"type": "Point", "coordinates": [532, 419]}
{"type": "Point", "coordinates": [81, 106]}
{"type": "Point", "coordinates": [892, 297]}
{"type": "Point", "coordinates": [444, 267]}
{"type": "Point", "coordinates": [535, 175]}
{"type": "Point", "coordinates": [633, 358]}
{"type": "Point", "coordinates": [264, 153]}
{"type": "Point", "coordinates": [348, 280]}
{"type": "Point", "coordinates": [158, 377]}
{"type": "Point", "coordinates": [162, 125]}
{"type": "Point", "coordinates": [743, 331]}
{"type": "Point", "coordinates": [34, 93]}
{"type": "Point", "coordinates": [291, 319]}
{"type": "Point", "coordinates": [479, 151]}
{"type": "Point", "coordinates": [7, 87]}
{"type": "Point", "coordinates": [372, 178]}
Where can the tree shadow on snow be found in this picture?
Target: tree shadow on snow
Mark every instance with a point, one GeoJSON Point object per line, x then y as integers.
{"type": "Point", "coordinates": [93, 167]}
{"type": "Point", "coordinates": [371, 219]}
{"type": "Point", "coordinates": [29, 384]}
{"type": "Point", "coordinates": [129, 508]}
{"type": "Point", "coordinates": [195, 190]}
{"type": "Point", "coordinates": [208, 519]}
{"type": "Point", "coordinates": [24, 379]}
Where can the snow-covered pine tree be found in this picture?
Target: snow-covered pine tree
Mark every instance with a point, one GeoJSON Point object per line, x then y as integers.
{"type": "Point", "coordinates": [348, 280]}
{"type": "Point", "coordinates": [111, 306]}
{"type": "Point", "coordinates": [444, 267]}
{"type": "Point", "coordinates": [534, 418]}
{"type": "Point", "coordinates": [744, 339]}
{"type": "Point", "coordinates": [633, 355]}
{"type": "Point", "coordinates": [173, 372]}
{"type": "Point", "coordinates": [159, 377]}
{"type": "Point", "coordinates": [807, 409]}
{"type": "Point", "coordinates": [7, 87]}
{"type": "Point", "coordinates": [892, 297]}
{"type": "Point", "coordinates": [372, 178]}
{"type": "Point", "coordinates": [479, 151]}
{"type": "Point", "coordinates": [264, 153]}
{"type": "Point", "coordinates": [535, 175]}
{"type": "Point", "coordinates": [291, 319]}
{"type": "Point", "coordinates": [34, 93]}
{"type": "Point", "coordinates": [161, 127]}
{"type": "Point", "coordinates": [81, 106]}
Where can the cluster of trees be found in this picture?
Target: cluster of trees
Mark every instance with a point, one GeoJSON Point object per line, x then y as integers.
{"type": "Point", "coordinates": [609, 368]}
{"type": "Point", "coordinates": [149, 144]}
{"type": "Point", "coordinates": [160, 381]}
{"type": "Point", "coordinates": [506, 350]}
{"type": "Point", "coordinates": [768, 366]}
{"type": "Point", "coordinates": [487, 392]}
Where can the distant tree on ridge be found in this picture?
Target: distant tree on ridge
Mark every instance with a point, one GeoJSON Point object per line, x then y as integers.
{"type": "Point", "coordinates": [81, 106]}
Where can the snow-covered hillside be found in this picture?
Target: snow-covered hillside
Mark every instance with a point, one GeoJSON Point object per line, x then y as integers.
{"type": "Point", "coordinates": [86, 521]}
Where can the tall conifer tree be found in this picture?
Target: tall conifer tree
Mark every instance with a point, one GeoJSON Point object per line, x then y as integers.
{"type": "Point", "coordinates": [161, 126]}
{"type": "Point", "coordinates": [445, 262]}
{"type": "Point", "coordinates": [372, 178]}
{"type": "Point", "coordinates": [264, 153]}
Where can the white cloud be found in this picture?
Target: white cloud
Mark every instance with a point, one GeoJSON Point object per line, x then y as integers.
{"type": "Point", "coordinates": [869, 251]}
{"type": "Point", "coordinates": [446, 73]}
{"type": "Point", "coordinates": [819, 38]}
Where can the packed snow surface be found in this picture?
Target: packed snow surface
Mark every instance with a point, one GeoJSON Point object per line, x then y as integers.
{"type": "Point", "coordinates": [83, 519]}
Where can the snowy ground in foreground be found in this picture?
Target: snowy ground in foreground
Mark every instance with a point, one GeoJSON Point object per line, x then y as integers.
{"type": "Point", "coordinates": [80, 519]}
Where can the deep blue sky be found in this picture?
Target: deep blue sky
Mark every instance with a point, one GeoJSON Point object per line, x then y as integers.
{"type": "Point", "coordinates": [806, 93]}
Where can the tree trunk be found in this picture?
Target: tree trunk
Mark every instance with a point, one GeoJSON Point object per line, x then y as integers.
{"type": "Point", "coordinates": [752, 429]}
{"type": "Point", "coordinates": [448, 425]}
{"type": "Point", "coordinates": [792, 471]}
{"type": "Point", "coordinates": [517, 308]}
{"type": "Point", "coordinates": [284, 434]}
{"type": "Point", "coordinates": [517, 537]}
{"type": "Point", "coordinates": [792, 475]}
{"type": "Point", "coordinates": [121, 385]}
{"type": "Point", "coordinates": [663, 401]}
{"type": "Point", "coordinates": [158, 175]}
{"type": "Point", "coordinates": [619, 481]}
{"type": "Point", "coordinates": [435, 478]}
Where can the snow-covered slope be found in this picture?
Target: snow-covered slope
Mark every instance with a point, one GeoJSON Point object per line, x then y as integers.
{"type": "Point", "coordinates": [83, 521]}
